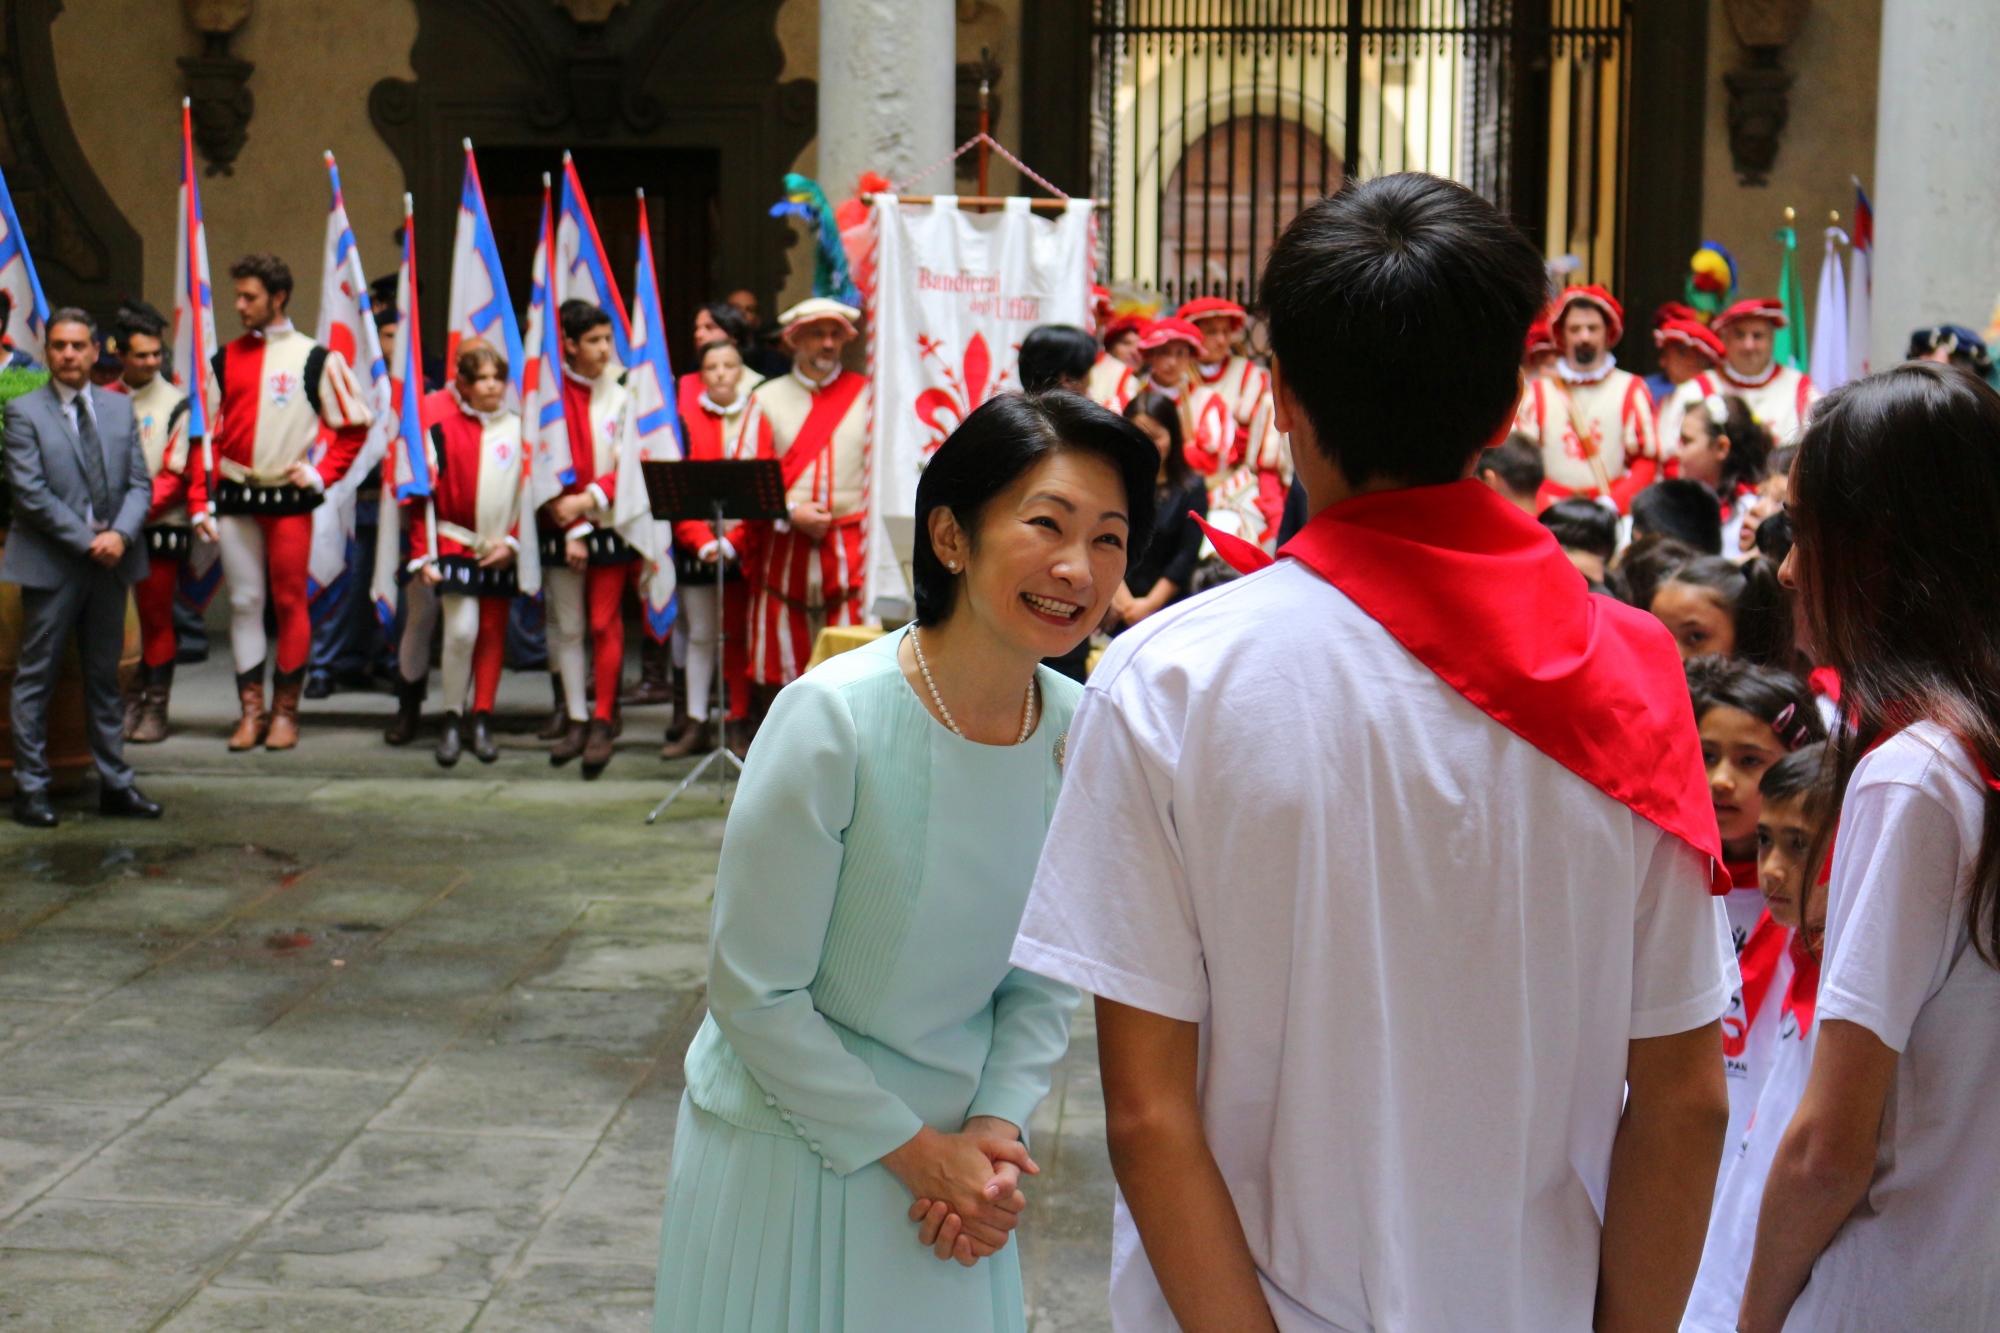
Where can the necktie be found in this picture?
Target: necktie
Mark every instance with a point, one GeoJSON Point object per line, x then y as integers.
{"type": "Point", "coordinates": [92, 450]}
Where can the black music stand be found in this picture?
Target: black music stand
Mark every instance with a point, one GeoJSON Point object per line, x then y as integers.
{"type": "Point", "coordinates": [713, 491]}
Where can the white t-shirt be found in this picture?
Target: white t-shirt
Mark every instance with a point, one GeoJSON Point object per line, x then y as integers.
{"type": "Point", "coordinates": [1749, 1041]}
{"type": "Point", "coordinates": [1746, 1164]}
{"type": "Point", "coordinates": [1416, 945]}
{"type": "Point", "coordinates": [1922, 1250]}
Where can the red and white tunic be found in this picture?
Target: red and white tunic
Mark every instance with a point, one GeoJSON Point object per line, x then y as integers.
{"type": "Point", "coordinates": [475, 504]}
{"type": "Point", "coordinates": [1674, 409]}
{"type": "Point", "coordinates": [1609, 414]}
{"type": "Point", "coordinates": [1779, 398]}
{"type": "Point", "coordinates": [1213, 448]}
{"type": "Point", "coordinates": [714, 433]}
{"type": "Point", "coordinates": [796, 580]}
{"type": "Point", "coordinates": [592, 409]}
{"type": "Point", "coordinates": [1245, 390]}
{"type": "Point", "coordinates": [180, 483]}
{"type": "Point", "coordinates": [285, 400]}
{"type": "Point", "coordinates": [1112, 384]}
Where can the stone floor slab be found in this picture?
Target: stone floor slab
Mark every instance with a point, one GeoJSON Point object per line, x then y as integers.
{"type": "Point", "coordinates": [82, 1293]}
{"type": "Point", "coordinates": [413, 1215]}
{"type": "Point", "coordinates": [78, 1062]}
{"type": "Point", "coordinates": [515, 1091]}
{"type": "Point", "coordinates": [143, 1235]}
{"type": "Point", "coordinates": [41, 1142]}
{"type": "Point", "coordinates": [54, 965]}
{"type": "Point", "coordinates": [627, 963]}
{"type": "Point", "coordinates": [223, 1310]}
{"type": "Point", "coordinates": [564, 1295]}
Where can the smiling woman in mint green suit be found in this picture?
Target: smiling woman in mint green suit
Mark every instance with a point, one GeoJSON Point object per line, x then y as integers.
{"type": "Point", "coordinates": [849, 1147]}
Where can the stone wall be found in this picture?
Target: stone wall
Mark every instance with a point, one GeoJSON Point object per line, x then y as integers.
{"type": "Point", "coordinates": [1830, 137]}
{"type": "Point", "coordinates": [315, 59]}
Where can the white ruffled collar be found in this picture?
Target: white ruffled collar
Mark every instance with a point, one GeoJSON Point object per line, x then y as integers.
{"type": "Point", "coordinates": [1571, 375]}
{"type": "Point", "coordinates": [1745, 382]}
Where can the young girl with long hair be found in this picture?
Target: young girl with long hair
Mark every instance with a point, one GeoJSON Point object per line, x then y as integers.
{"type": "Point", "coordinates": [1879, 1212]}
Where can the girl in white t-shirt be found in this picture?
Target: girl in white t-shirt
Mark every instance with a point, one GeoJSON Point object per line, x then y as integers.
{"type": "Point", "coordinates": [1880, 1212]}
{"type": "Point", "coordinates": [1791, 836]}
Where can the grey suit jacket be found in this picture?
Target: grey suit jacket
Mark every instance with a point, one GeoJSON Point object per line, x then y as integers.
{"type": "Point", "coordinates": [50, 541]}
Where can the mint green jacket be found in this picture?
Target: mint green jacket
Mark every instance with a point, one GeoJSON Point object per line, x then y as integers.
{"type": "Point", "coordinates": [873, 874]}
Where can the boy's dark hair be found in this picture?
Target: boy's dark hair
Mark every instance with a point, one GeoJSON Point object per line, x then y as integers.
{"type": "Point", "coordinates": [732, 323]}
{"type": "Point", "coordinates": [1776, 697]}
{"type": "Point", "coordinates": [1517, 461]}
{"type": "Point", "coordinates": [580, 317]}
{"type": "Point", "coordinates": [136, 316]}
{"type": "Point", "coordinates": [475, 355]}
{"type": "Point", "coordinates": [1757, 605]}
{"type": "Point", "coordinates": [1052, 353]}
{"type": "Point", "coordinates": [1683, 510]}
{"type": "Point", "coordinates": [1646, 564]}
{"type": "Point", "coordinates": [1583, 525]}
{"type": "Point", "coordinates": [1801, 773]}
{"type": "Point", "coordinates": [1165, 413]}
{"type": "Point", "coordinates": [1774, 537]}
{"type": "Point", "coordinates": [998, 441]}
{"type": "Point", "coordinates": [267, 268]}
{"type": "Point", "coordinates": [1397, 309]}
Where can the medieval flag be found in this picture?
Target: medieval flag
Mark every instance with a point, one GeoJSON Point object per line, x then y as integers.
{"type": "Point", "coordinates": [480, 306]}
{"type": "Point", "coordinates": [194, 347]}
{"type": "Point", "coordinates": [346, 326]}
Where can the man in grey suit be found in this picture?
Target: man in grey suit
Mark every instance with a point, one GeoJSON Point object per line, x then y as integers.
{"type": "Point", "coordinates": [81, 491]}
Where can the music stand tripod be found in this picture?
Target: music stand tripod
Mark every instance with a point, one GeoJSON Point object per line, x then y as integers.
{"type": "Point", "coordinates": [715, 490]}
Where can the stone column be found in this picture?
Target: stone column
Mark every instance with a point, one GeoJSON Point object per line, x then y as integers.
{"type": "Point", "coordinates": [1937, 170]}
{"type": "Point", "coordinates": [886, 91]}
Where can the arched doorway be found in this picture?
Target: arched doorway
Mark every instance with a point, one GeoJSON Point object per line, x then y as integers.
{"type": "Point", "coordinates": [1229, 199]}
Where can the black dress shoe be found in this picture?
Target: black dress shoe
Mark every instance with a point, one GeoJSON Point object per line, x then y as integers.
{"type": "Point", "coordinates": [126, 803]}
{"type": "Point", "coordinates": [32, 809]}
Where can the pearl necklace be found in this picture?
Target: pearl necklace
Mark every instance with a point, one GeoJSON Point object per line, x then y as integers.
{"type": "Point", "coordinates": [1027, 708]}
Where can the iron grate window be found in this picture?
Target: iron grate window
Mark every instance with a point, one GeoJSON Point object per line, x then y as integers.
{"type": "Point", "coordinates": [1214, 122]}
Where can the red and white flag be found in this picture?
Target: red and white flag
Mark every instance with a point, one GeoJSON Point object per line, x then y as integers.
{"type": "Point", "coordinates": [346, 326]}
{"type": "Point", "coordinates": [544, 432]}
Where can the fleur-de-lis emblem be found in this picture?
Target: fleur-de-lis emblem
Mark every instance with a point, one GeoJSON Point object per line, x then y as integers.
{"type": "Point", "coordinates": [942, 407]}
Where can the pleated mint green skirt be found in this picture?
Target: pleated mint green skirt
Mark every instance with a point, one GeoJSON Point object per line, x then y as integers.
{"type": "Point", "coordinates": [762, 1238]}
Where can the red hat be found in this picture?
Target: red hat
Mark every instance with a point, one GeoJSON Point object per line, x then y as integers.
{"type": "Point", "coordinates": [1208, 307]}
{"type": "Point", "coordinates": [1100, 302]}
{"type": "Point", "coordinates": [1539, 337]}
{"type": "Point", "coordinates": [1675, 310]}
{"type": "Point", "coordinates": [1123, 325]}
{"type": "Point", "coordinates": [1761, 307]}
{"type": "Point", "coordinates": [1171, 329]}
{"type": "Point", "coordinates": [1593, 295]}
{"type": "Point", "coordinates": [1690, 333]}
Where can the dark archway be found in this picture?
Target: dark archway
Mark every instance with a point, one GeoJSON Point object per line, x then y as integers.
{"type": "Point", "coordinates": [680, 96]}
{"type": "Point", "coordinates": [1230, 197]}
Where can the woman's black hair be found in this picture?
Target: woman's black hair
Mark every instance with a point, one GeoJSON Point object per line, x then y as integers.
{"type": "Point", "coordinates": [1164, 411]}
{"type": "Point", "coordinates": [1758, 606]}
{"type": "Point", "coordinates": [998, 441]}
{"type": "Point", "coordinates": [1895, 505]}
{"type": "Point", "coordinates": [732, 323]}
{"type": "Point", "coordinates": [1053, 353]}
{"type": "Point", "coordinates": [1776, 697]}
{"type": "Point", "coordinates": [1800, 773]}
{"type": "Point", "coordinates": [1646, 564]}
{"type": "Point", "coordinates": [1682, 509]}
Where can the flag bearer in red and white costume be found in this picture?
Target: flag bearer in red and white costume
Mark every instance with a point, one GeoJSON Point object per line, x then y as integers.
{"type": "Point", "coordinates": [712, 418]}
{"type": "Point", "coordinates": [293, 420]}
{"type": "Point", "coordinates": [1114, 380]}
{"type": "Point", "coordinates": [1208, 436]}
{"type": "Point", "coordinates": [1245, 390]}
{"type": "Point", "coordinates": [180, 510]}
{"type": "Point", "coordinates": [1689, 354]}
{"type": "Point", "coordinates": [810, 568]}
{"type": "Point", "coordinates": [1593, 420]}
{"type": "Point", "coordinates": [1779, 396]}
{"type": "Point", "coordinates": [584, 560]}
{"type": "Point", "coordinates": [467, 542]}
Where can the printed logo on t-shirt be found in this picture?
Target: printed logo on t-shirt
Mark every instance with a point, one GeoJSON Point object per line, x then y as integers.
{"type": "Point", "coordinates": [503, 453]}
{"type": "Point", "coordinates": [1735, 1029]}
{"type": "Point", "coordinates": [284, 388]}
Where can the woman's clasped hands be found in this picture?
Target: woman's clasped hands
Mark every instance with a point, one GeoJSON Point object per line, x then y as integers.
{"type": "Point", "coordinates": [966, 1186]}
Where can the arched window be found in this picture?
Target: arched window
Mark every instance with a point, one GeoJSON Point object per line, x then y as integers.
{"type": "Point", "coordinates": [1230, 197]}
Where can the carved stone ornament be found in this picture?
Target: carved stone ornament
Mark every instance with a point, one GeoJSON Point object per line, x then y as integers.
{"type": "Point", "coordinates": [589, 11]}
{"type": "Point", "coordinates": [1766, 22]}
{"type": "Point", "coordinates": [217, 15]}
{"type": "Point", "coordinates": [218, 84]}
{"type": "Point", "coordinates": [1759, 96]}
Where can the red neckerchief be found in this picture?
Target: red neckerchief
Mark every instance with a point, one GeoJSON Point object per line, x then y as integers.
{"type": "Point", "coordinates": [1742, 874]}
{"type": "Point", "coordinates": [1803, 994]}
{"type": "Point", "coordinates": [1482, 595]}
{"type": "Point", "coordinates": [1759, 964]}
{"type": "Point", "coordinates": [1824, 682]}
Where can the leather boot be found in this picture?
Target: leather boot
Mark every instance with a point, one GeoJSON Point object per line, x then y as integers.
{"type": "Point", "coordinates": [569, 746]}
{"type": "Point", "coordinates": [483, 748]}
{"type": "Point", "coordinates": [697, 739]}
{"type": "Point", "coordinates": [249, 733]}
{"type": "Point", "coordinates": [558, 724]}
{"type": "Point", "coordinates": [450, 744]}
{"type": "Point", "coordinates": [738, 731]}
{"type": "Point", "coordinates": [656, 662]}
{"type": "Point", "coordinates": [409, 711]}
{"type": "Point", "coordinates": [135, 701]}
{"type": "Point", "coordinates": [286, 687]}
{"type": "Point", "coordinates": [152, 723]}
{"type": "Point", "coordinates": [597, 747]}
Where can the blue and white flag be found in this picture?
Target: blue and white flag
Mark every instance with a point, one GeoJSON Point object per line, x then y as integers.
{"type": "Point", "coordinates": [29, 320]}
{"type": "Point", "coordinates": [480, 307]}
{"type": "Point", "coordinates": [581, 271]}
{"type": "Point", "coordinates": [347, 326]}
{"type": "Point", "coordinates": [544, 431]}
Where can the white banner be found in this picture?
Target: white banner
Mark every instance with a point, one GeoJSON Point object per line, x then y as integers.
{"type": "Point", "coordinates": [955, 294]}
